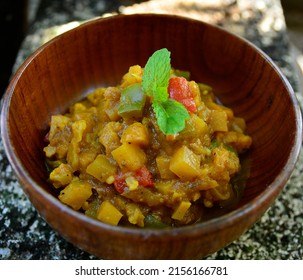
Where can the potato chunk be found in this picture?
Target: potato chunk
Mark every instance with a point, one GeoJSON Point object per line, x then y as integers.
{"type": "Point", "coordinates": [185, 164]}
{"type": "Point", "coordinates": [62, 175]}
{"type": "Point", "coordinates": [129, 156]}
{"type": "Point", "coordinates": [101, 168]}
{"type": "Point", "coordinates": [137, 134]}
{"type": "Point", "coordinates": [76, 193]}
{"type": "Point", "coordinates": [163, 167]}
{"type": "Point", "coordinates": [135, 215]}
{"type": "Point", "coordinates": [218, 120]}
{"type": "Point", "coordinates": [108, 213]}
{"type": "Point", "coordinates": [108, 136]}
{"type": "Point", "coordinates": [181, 210]}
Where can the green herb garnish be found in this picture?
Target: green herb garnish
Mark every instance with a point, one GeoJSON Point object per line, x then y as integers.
{"type": "Point", "coordinates": [171, 114]}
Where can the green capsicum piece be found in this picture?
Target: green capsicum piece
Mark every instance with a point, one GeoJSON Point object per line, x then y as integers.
{"type": "Point", "coordinates": [132, 102]}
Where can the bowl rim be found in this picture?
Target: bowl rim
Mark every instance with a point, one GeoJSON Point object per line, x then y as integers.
{"type": "Point", "coordinates": [269, 194]}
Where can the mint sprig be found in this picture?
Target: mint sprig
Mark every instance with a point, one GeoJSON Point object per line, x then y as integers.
{"type": "Point", "coordinates": [171, 114]}
{"type": "Point", "coordinates": [156, 71]}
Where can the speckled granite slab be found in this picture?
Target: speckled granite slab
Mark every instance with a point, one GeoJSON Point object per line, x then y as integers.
{"type": "Point", "coordinates": [278, 234]}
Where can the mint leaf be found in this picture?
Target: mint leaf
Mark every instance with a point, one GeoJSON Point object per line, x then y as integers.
{"type": "Point", "coordinates": [160, 94]}
{"type": "Point", "coordinates": [156, 71]}
{"type": "Point", "coordinates": [171, 116]}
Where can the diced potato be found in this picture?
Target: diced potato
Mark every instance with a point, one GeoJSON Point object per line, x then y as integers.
{"type": "Point", "coordinates": [240, 142]}
{"type": "Point", "coordinates": [238, 125]}
{"type": "Point", "coordinates": [88, 116]}
{"type": "Point", "coordinates": [163, 167]}
{"type": "Point", "coordinates": [109, 214]}
{"type": "Point", "coordinates": [76, 193]}
{"type": "Point", "coordinates": [78, 128]}
{"type": "Point", "coordinates": [108, 136]}
{"type": "Point", "coordinates": [164, 187]}
{"type": "Point", "coordinates": [195, 126]}
{"type": "Point", "coordinates": [133, 76]}
{"type": "Point", "coordinates": [134, 214]}
{"type": "Point", "coordinates": [137, 134]}
{"type": "Point", "coordinates": [59, 137]}
{"type": "Point", "coordinates": [194, 88]}
{"type": "Point", "coordinates": [73, 155]}
{"type": "Point", "coordinates": [62, 175]}
{"type": "Point", "coordinates": [112, 97]}
{"type": "Point", "coordinates": [218, 120]}
{"type": "Point", "coordinates": [96, 96]}
{"type": "Point", "coordinates": [181, 210]}
{"type": "Point", "coordinates": [86, 157]}
{"type": "Point", "coordinates": [101, 168]}
{"type": "Point", "coordinates": [58, 122]}
{"type": "Point", "coordinates": [185, 164]}
{"type": "Point", "coordinates": [218, 107]}
{"type": "Point", "coordinates": [225, 160]}
{"type": "Point", "coordinates": [199, 148]}
{"type": "Point", "coordinates": [77, 108]}
{"type": "Point", "coordinates": [49, 151]}
{"type": "Point", "coordinates": [111, 110]}
{"type": "Point", "coordinates": [129, 156]}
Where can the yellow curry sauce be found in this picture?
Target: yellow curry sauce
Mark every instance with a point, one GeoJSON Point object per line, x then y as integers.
{"type": "Point", "coordinates": [112, 162]}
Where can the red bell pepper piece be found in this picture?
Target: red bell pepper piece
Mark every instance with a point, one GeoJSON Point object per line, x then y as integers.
{"type": "Point", "coordinates": [120, 183]}
{"type": "Point", "coordinates": [144, 177]}
{"type": "Point", "coordinates": [179, 90]}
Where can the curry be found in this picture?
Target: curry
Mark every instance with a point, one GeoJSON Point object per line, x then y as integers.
{"type": "Point", "coordinates": [153, 151]}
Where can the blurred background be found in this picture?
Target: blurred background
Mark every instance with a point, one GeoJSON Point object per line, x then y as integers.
{"type": "Point", "coordinates": [16, 18]}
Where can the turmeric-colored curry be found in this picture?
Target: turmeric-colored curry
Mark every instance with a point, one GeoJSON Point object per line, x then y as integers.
{"type": "Point", "coordinates": [153, 151]}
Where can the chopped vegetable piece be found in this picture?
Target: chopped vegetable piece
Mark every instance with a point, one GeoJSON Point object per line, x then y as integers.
{"type": "Point", "coordinates": [137, 134]}
{"type": "Point", "coordinates": [195, 126]}
{"type": "Point", "coordinates": [218, 120]}
{"type": "Point", "coordinates": [152, 222]}
{"type": "Point", "coordinates": [101, 168]}
{"type": "Point", "coordinates": [108, 136]}
{"type": "Point", "coordinates": [120, 183]}
{"type": "Point", "coordinates": [185, 164]}
{"type": "Point", "coordinates": [76, 193]}
{"type": "Point", "coordinates": [179, 90]}
{"type": "Point", "coordinates": [181, 210]}
{"type": "Point", "coordinates": [132, 102]}
{"type": "Point", "coordinates": [93, 208]}
{"type": "Point", "coordinates": [144, 177]}
{"type": "Point", "coordinates": [135, 215]}
{"type": "Point", "coordinates": [129, 156]}
{"type": "Point", "coordinates": [109, 214]}
{"type": "Point", "coordinates": [133, 76]}
{"type": "Point", "coordinates": [164, 187]}
{"type": "Point", "coordinates": [61, 176]}
{"type": "Point", "coordinates": [163, 167]}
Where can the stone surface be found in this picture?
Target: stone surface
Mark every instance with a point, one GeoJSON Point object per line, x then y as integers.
{"type": "Point", "coordinates": [278, 234]}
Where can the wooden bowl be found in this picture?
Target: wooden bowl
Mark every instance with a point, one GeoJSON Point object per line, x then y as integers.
{"type": "Point", "coordinates": [99, 53]}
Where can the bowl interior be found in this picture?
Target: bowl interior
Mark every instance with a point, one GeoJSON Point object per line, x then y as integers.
{"type": "Point", "coordinates": [100, 52]}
